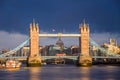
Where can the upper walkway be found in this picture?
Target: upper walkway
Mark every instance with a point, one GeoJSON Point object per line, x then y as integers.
{"type": "Point", "coordinates": [59, 35]}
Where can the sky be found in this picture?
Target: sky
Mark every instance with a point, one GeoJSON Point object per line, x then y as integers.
{"type": "Point", "coordinates": [64, 16]}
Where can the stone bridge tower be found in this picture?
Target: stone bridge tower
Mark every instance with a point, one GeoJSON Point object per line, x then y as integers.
{"type": "Point", "coordinates": [34, 59]}
{"type": "Point", "coordinates": [84, 57]}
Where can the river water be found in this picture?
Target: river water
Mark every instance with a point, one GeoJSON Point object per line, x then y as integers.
{"type": "Point", "coordinates": [62, 72]}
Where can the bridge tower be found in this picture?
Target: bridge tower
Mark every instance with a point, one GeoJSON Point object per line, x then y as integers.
{"type": "Point", "coordinates": [34, 59]}
{"type": "Point", "coordinates": [84, 58]}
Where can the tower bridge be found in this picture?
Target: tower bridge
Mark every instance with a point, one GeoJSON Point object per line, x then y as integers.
{"type": "Point", "coordinates": [34, 59]}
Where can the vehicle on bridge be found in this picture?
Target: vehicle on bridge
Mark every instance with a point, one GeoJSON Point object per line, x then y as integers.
{"type": "Point", "coordinates": [60, 54]}
{"type": "Point", "coordinates": [59, 59]}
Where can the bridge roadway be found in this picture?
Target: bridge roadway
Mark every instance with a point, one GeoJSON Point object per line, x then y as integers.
{"type": "Point", "coordinates": [59, 35]}
{"type": "Point", "coordinates": [52, 57]}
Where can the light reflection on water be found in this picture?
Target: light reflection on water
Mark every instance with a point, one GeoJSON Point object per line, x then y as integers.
{"type": "Point", "coordinates": [35, 73]}
{"type": "Point", "coordinates": [62, 72]}
{"type": "Point", "coordinates": [85, 71]}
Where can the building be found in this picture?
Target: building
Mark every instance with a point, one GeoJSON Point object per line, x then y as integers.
{"type": "Point", "coordinates": [74, 50]}
{"type": "Point", "coordinates": [4, 51]}
{"type": "Point", "coordinates": [52, 50]}
{"type": "Point", "coordinates": [112, 46]}
{"type": "Point", "coordinates": [25, 50]}
{"type": "Point", "coordinates": [60, 44]}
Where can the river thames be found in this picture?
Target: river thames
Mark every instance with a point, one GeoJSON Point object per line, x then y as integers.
{"type": "Point", "coordinates": [62, 72]}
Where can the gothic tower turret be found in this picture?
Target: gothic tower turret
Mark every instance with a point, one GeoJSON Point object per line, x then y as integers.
{"type": "Point", "coordinates": [34, 39]}
{"type": "Point", "coordinates": [84, 57]}
{"type": "Point", "coordinates": [34, 59]}
{"type": "Point", "coordinates": [84, 39]}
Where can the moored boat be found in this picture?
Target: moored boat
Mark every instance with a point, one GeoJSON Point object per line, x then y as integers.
{"type": "Point", "coordinates": [2, 66]}
{"type": "Point", "coordinates": [12, 64]}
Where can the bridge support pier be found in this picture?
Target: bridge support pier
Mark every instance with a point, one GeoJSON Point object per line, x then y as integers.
{"type": "Point", "coordinates": [34, 59]}
{"type": "Point", "coordinates": [84, 59]}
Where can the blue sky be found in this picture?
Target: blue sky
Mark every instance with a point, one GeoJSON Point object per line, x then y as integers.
{"type": "Point", "coordinates": [103, 16]}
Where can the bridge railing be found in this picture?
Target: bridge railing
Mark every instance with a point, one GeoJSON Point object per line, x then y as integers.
{"type": "Point", "coordinates": [53, 57]}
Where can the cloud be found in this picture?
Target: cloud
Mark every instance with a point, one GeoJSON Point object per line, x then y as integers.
{"type": "Point", "coordinates": [100, 38]}
{"type": "Point", "coordinates": [12, 40]}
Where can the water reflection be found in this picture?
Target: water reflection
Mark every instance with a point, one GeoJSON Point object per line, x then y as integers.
{"type": "Point", "coordinates": [63, 72]}
{"type": "Point", "coordinates": [35, 73]}
{"type": "Point", "coordinates": [85, 73]}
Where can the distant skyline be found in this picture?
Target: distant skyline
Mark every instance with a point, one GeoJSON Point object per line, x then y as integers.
{"type": "Point", "coordinates": [54, 16]}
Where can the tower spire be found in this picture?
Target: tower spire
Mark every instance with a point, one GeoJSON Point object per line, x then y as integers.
{"type": "Point", "coordinates": [84, 22]}
{"type": "Point", "coordinates": [33, 22]}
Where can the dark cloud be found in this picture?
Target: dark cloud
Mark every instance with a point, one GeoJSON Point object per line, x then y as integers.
{"type": "Point", "coordinates": [102, 15]}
